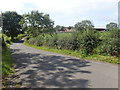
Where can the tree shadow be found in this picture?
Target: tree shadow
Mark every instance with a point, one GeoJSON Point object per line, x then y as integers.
{"type": "Point", "coordinates": [19, 41]}
{"type": "Point", "coordinates": [39, 70]}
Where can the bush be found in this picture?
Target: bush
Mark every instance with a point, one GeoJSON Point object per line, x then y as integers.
{"type": "Point", "coordinates": [31, 41]}
{"type": "Point", "coordinates": [52, 42]}
{"type": "Point", "coordinates": [39, 40]}
{"type": "Point", "coordinates": [111, 43]}
{"type": "Point", "coordinates": [6, 61]}
{"type": "Point", "coordinates": [46, 39]}
{"type": "Point", "coordinates": [86, 42]}
{"type": "Point", "coordinates": [74, 41]}
{"type": "Point", "coordinates": [7, 39]}
{"type": "Point", "coordinates": [90, 40]}
{"type": "Point", "coordinates": [82, 41]}
{"type": "Point", "coordinates": [62, 42]}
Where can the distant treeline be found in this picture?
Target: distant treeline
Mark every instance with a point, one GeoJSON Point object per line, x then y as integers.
{"type": "Point", "coordinates": [36, 23]}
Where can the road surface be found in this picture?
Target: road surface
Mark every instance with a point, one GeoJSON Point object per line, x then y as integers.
{"type": "Point", "coordinates": [43, 69]}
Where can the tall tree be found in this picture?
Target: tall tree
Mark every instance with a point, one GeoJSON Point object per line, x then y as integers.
{"type": "Point", "coordinates": [84, 25]}
{"type": "Point", "coordinates": [23, 24]}
{"type": "Point", "coordinates": [11, 25]}
{"type": "Point", "coordinates": [111, 26]}
{"type": "Point", "coordinates": [37, 23]}
{"type": "Point", "coordinates": [57, 27]}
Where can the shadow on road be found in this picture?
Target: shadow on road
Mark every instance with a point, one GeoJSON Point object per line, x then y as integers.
{"type": "Point", "coordinates": [37, 70]}
{"type": "Point", "coordinates": [19, 41]}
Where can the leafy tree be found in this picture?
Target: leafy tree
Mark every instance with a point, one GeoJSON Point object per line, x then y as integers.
{"type": "Point", "coordinates": [57, 27]}
{"type": "Point", "coordinates": [111, 26]}
{"type": "Point", "coordinates": [11, 25]}
{"type": "Point", "coordinates": [37, 23]}
{"type": "Point", "coordinates": [70, 27]}
{"type": "Point", "coordinates": [23, 24]}
{"type": "Point", "coordinates": [83, 25]}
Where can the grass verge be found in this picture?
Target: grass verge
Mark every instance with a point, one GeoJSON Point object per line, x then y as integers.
{"type": "Point", "coordinates": [109, 59]}
{"type": "Point", "coordinates": [6, 61]}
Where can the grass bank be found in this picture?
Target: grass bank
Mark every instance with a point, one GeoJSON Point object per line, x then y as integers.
{"type": "Point", "coordinates": [109, 59]}
{"type": "Point", "coordinates": [6, 56]}
{"type": "Point", "coordinates": [6, 61]}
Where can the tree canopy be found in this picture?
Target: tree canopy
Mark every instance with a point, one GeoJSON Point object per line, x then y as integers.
{"type": "Point", "coordinates": [111, 26]}
{"type": "Point", "coordinates": [36, 23]}
{"type": "Point", "coordinates": [11, 25]}
{"type": "Point", "coordinates": [83, 25]}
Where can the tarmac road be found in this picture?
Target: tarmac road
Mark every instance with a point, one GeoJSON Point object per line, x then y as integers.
{"type": "Point", "coordinates": [39, 69]}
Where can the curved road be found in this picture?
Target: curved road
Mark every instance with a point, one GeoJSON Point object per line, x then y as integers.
{"type": "Point", "coordinates": [37, 68]}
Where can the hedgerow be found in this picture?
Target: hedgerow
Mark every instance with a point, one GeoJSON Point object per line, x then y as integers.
{"type": "Point", "coordinates": [87, 42]}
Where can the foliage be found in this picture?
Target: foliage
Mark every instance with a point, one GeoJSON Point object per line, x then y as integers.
{"type": "Point", "coordinates": [85, 41]}
{"type": "Point", "coordinates": [6, 61]}
{"type": "Point", "coordinates": [64, 41]}
{"type": "Point", "coordinates": [38, 41]}
{"type": "Point", "coordinates": [74, 41]}
{"type": "Point", "coordinates": [5, 40]}
{"type": "Point", "coordinates": [6, 57]}
{"type": "Point", "coordinates": [57, 27]}
{"type": "Point", "coordinates": [20, 36]}
{"type": "Point", "coordinates": [36, 23]}
{"type": "Point", "coordinates": [90, 40]}
{"type": "Point", "coordinates": [52, 42]}
{"type": "Point", "coordinates": [108, 59]}
{"type": "Point", "coordinates": [83, 25]}
{"type": "Point", "coordinates": [11, 25]}
{"type": "Point", "coordinates": [111, 43]}
{"type": "Point", "coordinates": [111, 26]}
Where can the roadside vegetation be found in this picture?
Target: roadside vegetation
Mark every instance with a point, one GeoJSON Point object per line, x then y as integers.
{"type": "Point", "coordinates": [39, 32]}
{"type": "Point", "coordinates": [6, 56]}
{"type": "Point", "coordinates": [7, 62]}
{"type": "Point", "coordinates": [87, 42]}
{"type": "Point", "coordinates": [100, 46]}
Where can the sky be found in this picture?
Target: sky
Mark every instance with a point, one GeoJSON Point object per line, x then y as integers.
{"type": "Point", "coordinates": [68, 12]}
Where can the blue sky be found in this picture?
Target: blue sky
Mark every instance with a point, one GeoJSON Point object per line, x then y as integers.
{"type": "Point", "coordinates": [68, 12]}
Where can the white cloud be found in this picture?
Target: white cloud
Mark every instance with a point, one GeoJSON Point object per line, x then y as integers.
{"type": "Point", "coordinates": [58, 5]}
{"type": "Point", "coordinates": [62, 9]}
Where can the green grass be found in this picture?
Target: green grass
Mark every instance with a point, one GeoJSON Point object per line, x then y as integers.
{"type": "Point", "coordinates": [109, 59]}
{"type": "Point", "coordinates": [6, 61]}
{"type": "Point", "coordinates": [0, 35]}
{"type": "Point", "coordinates": [6, 56]}
{"type": "Point", "coordinates": [64, 34]}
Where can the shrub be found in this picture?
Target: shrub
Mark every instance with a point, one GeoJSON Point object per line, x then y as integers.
{"type": "Point", "coordinates": [64, 41]}
{"type": "Point", "coordinates": [111, 43]}
{"type": "Point", "coordinates": [39, 40]}
{"type": "Point", "coordinates": [52, 42]}
{"type": "Point", "coordinates": [31, 41]}
{"type": "Point", "coordinates": [74, 41]}
{"type": "Point", "coordinates": [90, 40]}
{"type": "Point", "coordinates": [46, 39]}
